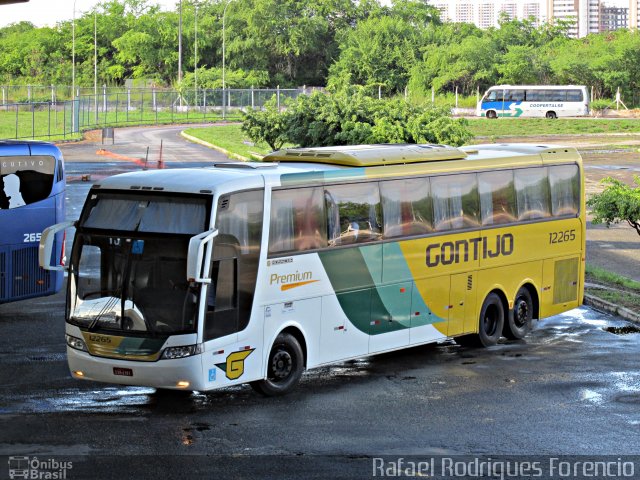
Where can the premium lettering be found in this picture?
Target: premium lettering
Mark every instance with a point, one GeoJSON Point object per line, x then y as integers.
{"type": "Point", "coordinates": [447, 253]}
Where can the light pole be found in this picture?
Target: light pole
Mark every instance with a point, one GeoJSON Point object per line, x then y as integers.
{"type": "Point", "coordinates": [195, 58]}
{"type": "Point", "coordinates": [224, 100]}
{"type": "Point", "coordinates": [180, 42]}
{"type": "Point", "coordinates": [73, 68]}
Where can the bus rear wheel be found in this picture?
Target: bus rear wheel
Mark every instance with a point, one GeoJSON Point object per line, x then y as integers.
{"type": "Point", "coordinates": [490, 325]}
{"type": "Point", "coordinates": [285, 367]}
{"type": "Point", "coordinates": [491, 114]}
{"type": "Point", "coordinates": [520, 318]}
{"type": "Point", "coordinates": [551, 115]}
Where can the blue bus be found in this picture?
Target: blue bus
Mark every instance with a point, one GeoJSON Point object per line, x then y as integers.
{"type": "Point", "coordinates": [32, 197]}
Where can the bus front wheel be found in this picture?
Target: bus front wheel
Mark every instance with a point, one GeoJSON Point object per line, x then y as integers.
{"type": "Point", "coordinates": [286, 363]}
{"type": "Point", "coordinates": [551, 115]}
{"type": "Point", "coordinates": [491, 114]}
{"type": "Point", "coordinates": [519, 321]}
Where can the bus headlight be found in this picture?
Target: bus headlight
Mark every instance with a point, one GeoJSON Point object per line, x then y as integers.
{"type": "Point", "coordinates": [76, 343]}
{"type": "Point", "coordinates": [181, 352]}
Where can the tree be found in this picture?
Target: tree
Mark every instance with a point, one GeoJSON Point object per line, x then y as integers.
{"type": "Point", "coordinates": [350, 118]}
{"type": "Point", "coordinates": [268, 125]}
{"type": "Point", "coordinates": [616, 203]}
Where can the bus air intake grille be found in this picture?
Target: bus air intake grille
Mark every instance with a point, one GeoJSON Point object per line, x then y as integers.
{"type": "Point", "coordinates": [565, 283]}
{"type": "Point", "coordinates": [28, 277]}
{"type": "Point", "coordinates": [3, 276]}
{"type": "Point", "coordinates": [470, 282]}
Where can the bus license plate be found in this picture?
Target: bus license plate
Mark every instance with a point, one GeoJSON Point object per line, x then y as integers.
{"type": "Point", "coordinates": [125, 372]}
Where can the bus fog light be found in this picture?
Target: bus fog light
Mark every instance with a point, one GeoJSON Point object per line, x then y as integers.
{"type": "Point", "coordinates": [182, 384]}
{"type": "Point", "coordinates": [76, 343]}
{"type": "Point", "coordinates": [78, 373]}
{"type": "Point", "coordinates": [181, 352]}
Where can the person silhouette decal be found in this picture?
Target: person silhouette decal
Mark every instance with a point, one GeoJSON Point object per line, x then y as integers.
{"type": "Point", "coordinates": [12, 191]}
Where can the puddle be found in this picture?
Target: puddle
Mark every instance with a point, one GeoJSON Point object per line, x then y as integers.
{"type": "Point", "coordinates": [626, 330]}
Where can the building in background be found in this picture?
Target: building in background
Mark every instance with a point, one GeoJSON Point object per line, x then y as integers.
{"type": "Point", "coordinates": [486, 13]}
{"type": "Point", "coordinates": [585, 16]}
{"type": "Point", "coordinates": [613, 18]}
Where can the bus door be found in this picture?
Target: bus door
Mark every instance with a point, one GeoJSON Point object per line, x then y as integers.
{"type": "Point", "coordinates": [229, 343]}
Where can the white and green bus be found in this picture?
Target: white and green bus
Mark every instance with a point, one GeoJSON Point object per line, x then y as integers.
{"type": "Point", "coordinates": [199, 279]}
{"type": "Point", "coordinates": [550, 101]}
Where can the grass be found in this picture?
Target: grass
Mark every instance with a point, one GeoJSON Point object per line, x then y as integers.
{"type": "Point", "coordinates": [54, 124]}
{"type": "Point", "coordinates": [600, 275]}
{"type": "Point", "coordinates": [231, 138]}
{"type": "Point", "coordinates": [541, 126]}
{"type": "Point", "coordinates": [620, 290]}
{"type": "Point", "coordinates": [624, 299]}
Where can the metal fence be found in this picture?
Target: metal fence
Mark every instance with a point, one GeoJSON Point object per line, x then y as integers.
{"type": "Point", "coordinates": [62, 119]}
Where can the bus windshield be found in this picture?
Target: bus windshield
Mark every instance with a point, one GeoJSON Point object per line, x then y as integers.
{"type": "Point", "coordinates": [128, 266]}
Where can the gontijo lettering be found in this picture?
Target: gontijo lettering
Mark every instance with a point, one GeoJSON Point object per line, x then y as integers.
{"type": "Point", "coordinates": [458, 251]}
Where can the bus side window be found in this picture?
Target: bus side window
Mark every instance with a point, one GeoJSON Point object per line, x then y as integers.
{"type": "Point", "coordinates": [406, 207]}
{"type": "Point", "coordinates": [514, 95]}
{"type": "Point", "coordinates": [455, 202]}
{"type": "Point", "coordinates": [564, 182]}
{"type": "Point", "coordinates": [574, 96]}
{"type": "Point", "coordinates": [533, 96]}
{"type": "Point", "coordinates": [297, 220]}
{"type": "Point", "coordinates": [494, 96]}
{"type": "Point", "coordinates": [60, 173]}
{"type": "Point", "coordinates": [532, 193]}
{"type": "Point", "coordinates": [353, 213]}
{"type": "Point", "coordinates": [497, 197]}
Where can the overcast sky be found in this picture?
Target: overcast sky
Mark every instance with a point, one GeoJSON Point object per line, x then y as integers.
{"type": "Point", "coordinates": [49, 12]}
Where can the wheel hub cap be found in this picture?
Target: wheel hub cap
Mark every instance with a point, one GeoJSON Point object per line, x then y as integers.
{"type": "Point", "coordinates": [281, 364]}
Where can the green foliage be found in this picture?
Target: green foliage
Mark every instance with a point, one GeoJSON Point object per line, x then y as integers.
{"type": "Point", "coordinates": [601, 104]}
{"type": "Point", "coordinates": [350, 118]}
{"type": "Point", "coordinates": [617, 202]}
{"type": "Point", "coordinates": [338, 43]}
{"type": "Point", "coordinates": [212, 78]}
{"type": "Point", "coordinates": [267, 125]}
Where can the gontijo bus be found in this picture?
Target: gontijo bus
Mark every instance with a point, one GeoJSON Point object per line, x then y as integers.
{"type": "Point", "coordinates": [32, 186]}
{"type": "Point", "coordinates": [550, 101]}
{"type": "Point", "coordinates": [250, 272]}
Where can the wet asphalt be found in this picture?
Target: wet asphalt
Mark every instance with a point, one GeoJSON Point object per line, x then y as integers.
{"type": "Point", "coordinates": [570, 388]}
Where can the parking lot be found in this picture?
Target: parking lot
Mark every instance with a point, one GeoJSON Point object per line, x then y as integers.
{"type": "Point", "coordinates": [572, 387]}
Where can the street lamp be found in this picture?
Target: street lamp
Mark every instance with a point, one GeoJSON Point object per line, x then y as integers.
{"type": "Point", "coordinates": [73, 67]}
{"type": "Point", "coordinates": [180, 42]}
{"type": "Point", "coordinates": [195, 58]}
{"type": "Point", "coordinates": [224, 100]}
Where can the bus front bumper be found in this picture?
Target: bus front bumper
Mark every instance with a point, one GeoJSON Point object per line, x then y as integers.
{"type": "Point", "coordinates": [177, 374]}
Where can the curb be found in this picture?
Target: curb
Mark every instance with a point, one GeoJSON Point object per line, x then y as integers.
{"type": "Point", "coordinates": [608, 307]}
{"type": "Point", "coordinates": [229, 154]}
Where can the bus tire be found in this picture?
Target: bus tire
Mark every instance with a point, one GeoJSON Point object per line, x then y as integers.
{"type": "Point", "coordinates": [491, 114]}
{"type": "Point", "coordinates": [551, 115]}
{"type": "Point", "coordinates": [284, 368]}
{"type": "Point", "coordinates": [491, 321]}
{"type": "Point", "coordinates": [521, 317]}
{"type": "Point", "coordinates": [490, 324]}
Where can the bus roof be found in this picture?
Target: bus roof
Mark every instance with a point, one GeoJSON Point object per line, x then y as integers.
{"type": "Point", "coordinates": [368, 155]}
{"type": "Point", "coordinates": [346, 163]}
{"type": "Point", "coordinates": [10, 148]}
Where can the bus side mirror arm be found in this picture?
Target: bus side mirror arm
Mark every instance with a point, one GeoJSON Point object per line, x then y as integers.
{"type": "Point", "coordinates": [46, 245]}
{"type": "Point", "coordinates": [196, 255]}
